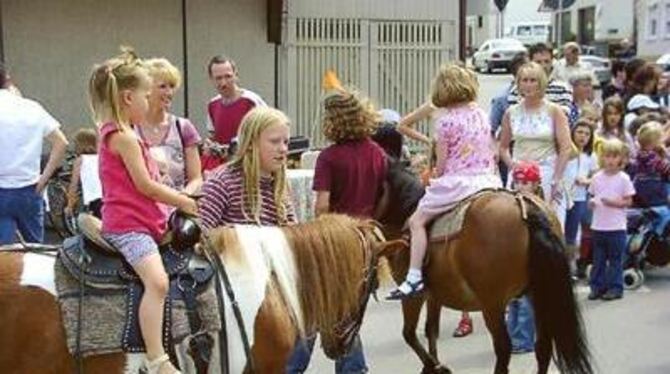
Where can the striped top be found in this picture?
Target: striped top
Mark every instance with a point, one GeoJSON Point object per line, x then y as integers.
{"type": "Point", "coordinates": [557, 92]}
{"type": "Point", "coordinates": [222, 202]}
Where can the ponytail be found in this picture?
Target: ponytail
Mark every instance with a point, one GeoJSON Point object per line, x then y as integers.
{"type": "Point", "coordinates": [109, 79]}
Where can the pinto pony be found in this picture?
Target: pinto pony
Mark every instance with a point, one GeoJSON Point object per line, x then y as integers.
{"type": "Point", "coordinates": [320, 275]}
{"type": "Point", "coordinates": [508, 245]}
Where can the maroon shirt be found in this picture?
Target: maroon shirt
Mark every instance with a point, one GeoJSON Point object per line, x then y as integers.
{"type": "Point", "coordinates": [226, 118]}
{"type": "Point", "coordinates": [353, 173]}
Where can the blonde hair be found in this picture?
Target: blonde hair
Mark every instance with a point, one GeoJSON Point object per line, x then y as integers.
{"type": "Point", "coordinates": [348, 116]}
{"type": "Point", "coordinates": [86, 141]}
{"type": "Point", "coordinates": [162, 69]}
{"type": "Point", "coordinates": [453, 84]}
{"type": "Point", "coordinates": [123, 72]}
{"type": "Point", "coordinates": [613, 146]}
{"type": "Point", "coordinates": [533, 70]}
{"type": "Point", "coordinates": [247, 158]}
{"type": "Point", "coordinates": [650, 134]}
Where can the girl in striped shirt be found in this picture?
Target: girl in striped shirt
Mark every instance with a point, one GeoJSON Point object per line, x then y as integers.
{"type": "Point", "coordinates": [252, 188]}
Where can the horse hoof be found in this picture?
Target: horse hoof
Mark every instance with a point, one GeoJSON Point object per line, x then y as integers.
{"type": "Point", "coordinates": [439, 369]}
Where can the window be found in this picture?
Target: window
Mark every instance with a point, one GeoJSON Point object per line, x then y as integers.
{"type": "Point", "coordinates": [523, 31]}
{"type": "Point", "coordinates": [480, 21]}
{"type": "Point", "coordinates": [667, 20]}
{"type": "Point", "coordinates": [652, 21]}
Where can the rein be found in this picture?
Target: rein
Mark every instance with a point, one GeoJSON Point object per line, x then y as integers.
{"type": "Point", "coordinates": [222, 278]}
{"type": "Point", "coordinates": [348, 328]}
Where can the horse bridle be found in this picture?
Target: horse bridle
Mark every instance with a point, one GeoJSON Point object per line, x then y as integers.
{"type": "Point", "coordinates": [346, 330]}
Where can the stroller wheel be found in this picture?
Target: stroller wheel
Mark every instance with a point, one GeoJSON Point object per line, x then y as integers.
{"type": "Point", "coordinates": [632, 279]}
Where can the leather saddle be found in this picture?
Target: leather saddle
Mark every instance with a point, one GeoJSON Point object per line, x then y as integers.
{"type": "Point", "coordinates": [99, 267]}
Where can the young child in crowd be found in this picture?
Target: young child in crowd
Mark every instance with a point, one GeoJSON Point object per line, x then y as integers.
{"type": "Point", "coordinates": [465, 161]}
{"type": "Point", "coordinates": [520, 319]}
{"type": "Point", "coordinates": [612, 192]}
{"type": "Point", "coordinates": [578, 173]}
{"type": "Point", "coordinates": [85, 172]}
{"type": "Point", "coordinates": [651, 168]}
{"type": "Point", "coordinates": [133, 218]}
{"type": "Point", "coordinates": [613, 126]}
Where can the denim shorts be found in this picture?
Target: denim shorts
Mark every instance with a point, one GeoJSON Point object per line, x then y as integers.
{"type": "Point", "coordinates": [134, 246]}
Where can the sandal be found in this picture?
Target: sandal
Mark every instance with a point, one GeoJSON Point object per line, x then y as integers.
{"type": "Point", "coordinates": [415, 289]}
{"type": "Point", "coordinates": [161, 365]}
{"type": "Point", "coordinates": [464, 328]}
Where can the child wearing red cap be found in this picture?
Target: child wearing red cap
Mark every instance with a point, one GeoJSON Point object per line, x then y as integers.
{"type": "Point", "coordinates": [520, 319]}
{"type": "Point", "coordinates": [526, 177]}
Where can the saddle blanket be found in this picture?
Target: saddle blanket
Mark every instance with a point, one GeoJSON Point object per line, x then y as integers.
{"type": "Point", "coordinates": [450, 223]}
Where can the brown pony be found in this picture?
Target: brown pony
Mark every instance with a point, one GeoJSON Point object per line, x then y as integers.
{"type": "Point", "coordinates": [507, 246]}
{"type": "Point", "coordinates": [335, 261]}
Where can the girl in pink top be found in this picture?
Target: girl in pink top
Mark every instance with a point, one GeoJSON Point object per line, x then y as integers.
{"type": "Point", "coordinates": [612, 193]}
{"type": "Point", "coordinates": [465, 159]}
{"type": "Point", "coordinates": [133, 218]}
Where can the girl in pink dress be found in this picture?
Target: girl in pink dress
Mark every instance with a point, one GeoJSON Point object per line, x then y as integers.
{"type": "Point", "coordinates": [465, 159]}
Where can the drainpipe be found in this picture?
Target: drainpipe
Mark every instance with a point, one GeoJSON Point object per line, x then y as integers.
{"type": "Point", "coordinates": [184, 48]}
{"type": "Point", "coordinates": [461, 29]}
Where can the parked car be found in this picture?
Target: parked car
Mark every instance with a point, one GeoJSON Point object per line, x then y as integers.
{"type": "Point", "coordinates": [664, 62]}
{"type": "Point", "coordinates": [529, 33]}
{"type": "Point", "coordinates": [602, 68]}
{"type": "Point", "coordinates": [496, 54]}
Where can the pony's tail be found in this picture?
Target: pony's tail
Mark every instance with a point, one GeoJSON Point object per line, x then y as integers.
{"type": "Point", "coordinates": [556, 311]}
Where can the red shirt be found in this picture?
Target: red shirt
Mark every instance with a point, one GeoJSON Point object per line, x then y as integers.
{"type": "Point", "coordinates": [226, 118]}
{"type": "Point", "coordinates": [353, 173]}
{"type": "Point", "coordinates": [125, 208]}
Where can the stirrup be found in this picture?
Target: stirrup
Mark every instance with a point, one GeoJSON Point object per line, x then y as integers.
{"type": "Point", "coordinates": [155, 366]}
{"type": "Point", "coordinates": [416, 288]}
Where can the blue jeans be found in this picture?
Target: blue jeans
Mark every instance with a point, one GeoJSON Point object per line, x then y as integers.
{"type": "Point", "coordinates": [521, 324]}
{"type": "Point", "coordinates": [351, 363]}
{"type": "Point", "coordinates": [573, 218]}
{"type": "Point", "coordinates": [22, 209]}
{"type": "Point", "coordinates": [608, 252]}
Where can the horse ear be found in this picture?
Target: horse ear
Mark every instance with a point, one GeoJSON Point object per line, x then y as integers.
{"type": "Point", "coordinates": [391, 247]}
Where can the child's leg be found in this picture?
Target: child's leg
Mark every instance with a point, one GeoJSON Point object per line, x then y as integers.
{"type": "Point", "coordinates": [414, 280]}
{"type": "Point", "coordinates": [141, 252]}
{"type": "Point", "coordinates": [419, 238]}
{"type": "Point", "coordinates": [597, 281]}
{"type": "Point", "coordinates": [153, 276]}
{"type": "Point", "coordinates": [615, 253]}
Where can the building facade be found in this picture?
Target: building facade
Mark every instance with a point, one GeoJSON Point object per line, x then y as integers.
{"type": "Point", "coordinates": [484, 21]}
{"type": "Point", "coordinates": [389, 49]}
{"type": "Point", "coordinates": [50, 46]}
{"type": "Point", "coordinates": [653, 28]}
{"type": "Point", "coordinates": [598, 23]}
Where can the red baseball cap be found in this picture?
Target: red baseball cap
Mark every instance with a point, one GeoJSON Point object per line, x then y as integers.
{"type": "Point", "coordinates": [526, 171]}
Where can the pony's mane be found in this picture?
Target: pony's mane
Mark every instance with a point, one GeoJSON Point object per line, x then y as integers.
{"type": "Point", "coordinates": [330, 262]}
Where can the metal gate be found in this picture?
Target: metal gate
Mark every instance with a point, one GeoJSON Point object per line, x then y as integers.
{"type": "Point", "coordinates": [391, 61]}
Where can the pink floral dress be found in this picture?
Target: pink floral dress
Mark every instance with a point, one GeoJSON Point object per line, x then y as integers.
{"type": "Point", "coordinates": [465, 158]}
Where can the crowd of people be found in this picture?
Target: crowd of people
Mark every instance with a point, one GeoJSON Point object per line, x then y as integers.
{"type": "Point", "coordinates": [547, 134]}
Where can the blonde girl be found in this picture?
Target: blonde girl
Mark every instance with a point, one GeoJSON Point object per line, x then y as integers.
{"type": "Point", "coordinates": [652, 167]}
{"type": "Point", "coordinates": [133, 215]}
{"type": "Point", "coordinates": [465, 160]}
{"type": "Point", "coordinates": [252, 188]}
{"type": "Point", "coordinates": [612, 192]}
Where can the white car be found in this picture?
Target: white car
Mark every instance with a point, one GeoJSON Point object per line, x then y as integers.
{"type": "Point", "coordinates": [496, 54]}
{"type": "Point", "coordinates": [602, 68]}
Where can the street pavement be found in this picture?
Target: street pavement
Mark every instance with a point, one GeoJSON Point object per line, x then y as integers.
{"type": "Point", "coordinates": [627, 336]}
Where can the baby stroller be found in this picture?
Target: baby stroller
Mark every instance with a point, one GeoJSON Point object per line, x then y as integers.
{"type": "Point", "coordinates": [648, 242]}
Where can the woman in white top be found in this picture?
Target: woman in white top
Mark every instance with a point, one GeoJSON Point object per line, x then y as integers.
{"type": "Point", "coordinates": [540, 133]}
